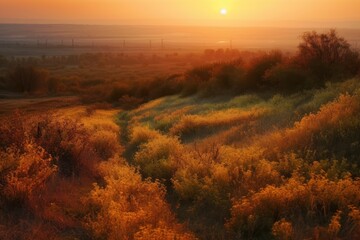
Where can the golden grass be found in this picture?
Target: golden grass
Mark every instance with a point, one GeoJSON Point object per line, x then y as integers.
{"type": "Point", "coordinates": [329, 115]}
{"type": "Point", "coordinates": [193, 123]}
{"type": "Point", "coordinates": [149, 105]}
{"type": "Point", "coordinates": [99, 120]}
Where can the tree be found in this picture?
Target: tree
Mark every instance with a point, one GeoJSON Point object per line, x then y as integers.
{"type": "Point", "coordinates": [25, 78]}
{"type": "Point", "coordinates": [327, 55]}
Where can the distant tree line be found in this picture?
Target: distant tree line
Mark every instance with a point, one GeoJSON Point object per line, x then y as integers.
{"type": "Point", "coordinates": [321, 57]}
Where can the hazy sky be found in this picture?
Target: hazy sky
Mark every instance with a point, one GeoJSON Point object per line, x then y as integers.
{"type": "Point", "coordinates": [194, 12]}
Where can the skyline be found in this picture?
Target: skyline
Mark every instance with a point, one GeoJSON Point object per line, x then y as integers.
{"type": "Point", "coordinates": [276, 13]}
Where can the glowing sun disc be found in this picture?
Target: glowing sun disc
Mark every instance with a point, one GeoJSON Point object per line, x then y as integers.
{"type": "Point", "coordinates": [223, 11]}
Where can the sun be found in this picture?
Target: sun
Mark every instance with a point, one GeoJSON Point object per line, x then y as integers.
{"type": "Point", "coordinates": [223, 11]}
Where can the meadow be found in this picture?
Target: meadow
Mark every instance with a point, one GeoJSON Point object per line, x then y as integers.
{"type": "Point", "coordinates": [219, 144]}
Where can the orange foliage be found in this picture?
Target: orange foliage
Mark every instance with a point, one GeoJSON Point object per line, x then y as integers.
{"type": "Point", "coordinates": [282, 230]}
{"type": "Point", "coordinates": [34, 168]}
{"type": "Point", "coordinates": [309, 202]}
{"type": "Point", "coordinates": [127, 204]}
{"type": "Point", "coordinates": [161, 233]}
{"type": "Point", "coordinates": [301, 134]}
{"type": "Point", "coordinates": [105, 144]}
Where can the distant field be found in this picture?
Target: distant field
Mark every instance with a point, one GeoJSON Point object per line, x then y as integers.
{"type": "Point", "coordinates": [35, 105]}
{"type": "Point", "coordinates": [37, 40]}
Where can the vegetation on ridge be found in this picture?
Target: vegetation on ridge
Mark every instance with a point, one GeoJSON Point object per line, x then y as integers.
{"type": "Point", "coordinates": [265, 147]}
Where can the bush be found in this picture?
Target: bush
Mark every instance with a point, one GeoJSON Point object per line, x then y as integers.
{"type": "Point", "coordinates": [158, 158]}
{"type": "Point", "coordinates": [9, 161]}
{"type": "Point", "coordinates": [105, 144]}
{"type": "Point", "coordinates": [282, 230]}
{"type": "Point", "coordinates": [66, 140]}
{"type": "Point", "coordinates": [202, 184]}
{"type": "Point", "coordinates": [34, 168]}
{"type": "Point", "coordinates": [327, 56]}
{"type": "Point", "coordinates": [196, 79]}
{"type": "Point", "coordinates": [311, 204]}
{"type": "Point", "coordinates": [128, 207]}
{"type": "Point", "coordinates": [28, 79]}
{"type": "Point", "coordinates": [162, 86]}
{"type": "Point", "coordinates": [288, 78]}
{"type": "Point", "coordinates": [227, 78]}
{"type": "Point", "coordinates": [200, 74]}
{"type": "Point", "coordinates": [117, 92]}
{"type": "Point", "coordinates": [14, 131]}
{"type": "Point", "coordinates": [140, 135]}
{"type": "Point", "coordinates": [255, 75]}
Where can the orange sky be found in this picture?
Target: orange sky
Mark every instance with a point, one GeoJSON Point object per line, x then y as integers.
{"type": "Point", "coordinates": [196, 12]}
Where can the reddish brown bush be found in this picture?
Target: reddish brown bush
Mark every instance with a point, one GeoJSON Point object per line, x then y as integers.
{"type": "Point", "coordinates": [34, 168]}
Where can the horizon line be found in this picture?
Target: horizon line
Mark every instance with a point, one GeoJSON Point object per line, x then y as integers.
{"type": "Point", "coordinates": [181, 25]}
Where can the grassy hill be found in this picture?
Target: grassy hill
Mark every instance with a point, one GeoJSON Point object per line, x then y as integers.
{"type": "Point", "coordinates": [242, 146]}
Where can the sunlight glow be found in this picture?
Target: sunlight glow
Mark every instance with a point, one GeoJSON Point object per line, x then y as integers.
{"type": "Point", "coordinates": [184, 12]}
{"type": "Point", "coordinates": [223, 11]}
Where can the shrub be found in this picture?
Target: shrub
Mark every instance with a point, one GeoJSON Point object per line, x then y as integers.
{"type": "Point", "coordinates": [34, 168]}
{"type": "Point", "coordinates": [26, 78]}
{"type": "Point", "coordinates": [141, 134]}
{"type": "Point", "coordinates": [200, 74]}
{"type": "Point", "coordinates": [65, 139]}
{"type": "Point", "coordinates": [354, 221]}
{"type": "Point", "coordinates": [334, 226]}
{"type": "Point", "coordinates": [287, 78]}
{"type": "Point", "coordinates": [282, 230]}
{"type": "Point", "coordinates": [163, 86]}
{"type": "Point", "coordinates": [312, 204]}
{"type": "Point", "coordinates": [127, 206]}
{"type": "Point", "coordinates": [9, 161]}
{"type": "Point", "coordinates": [117, 92]}
{"type": "Point", "coordinates": [327, 55]}
{"type": "Point", "coordinates": [14, 131]}
{"type": "Point", "coordinates": [203, 184]}
{"type": "Point", "coordinates": [227, 78]}
{"type": "Point", "coordinates": [195, 79]}
{"type": "Point", "coordinates": [158, 158]}
{"type": "Point", "coordinates": [105, 144]}
{"type": "Point", "coordinates": [255, 75]}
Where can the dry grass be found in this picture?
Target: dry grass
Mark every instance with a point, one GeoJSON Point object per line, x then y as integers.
{"type": "Point", "coordinates": [301, 134]}
{"type": "Point", "coordinates": [195, 124]}
{"type": "Point", "coordinates": [224, 168]}
{"type": "Point", "coordinates": [254, 149]}
{"type": "Point", "coordinates": [36, 105]}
